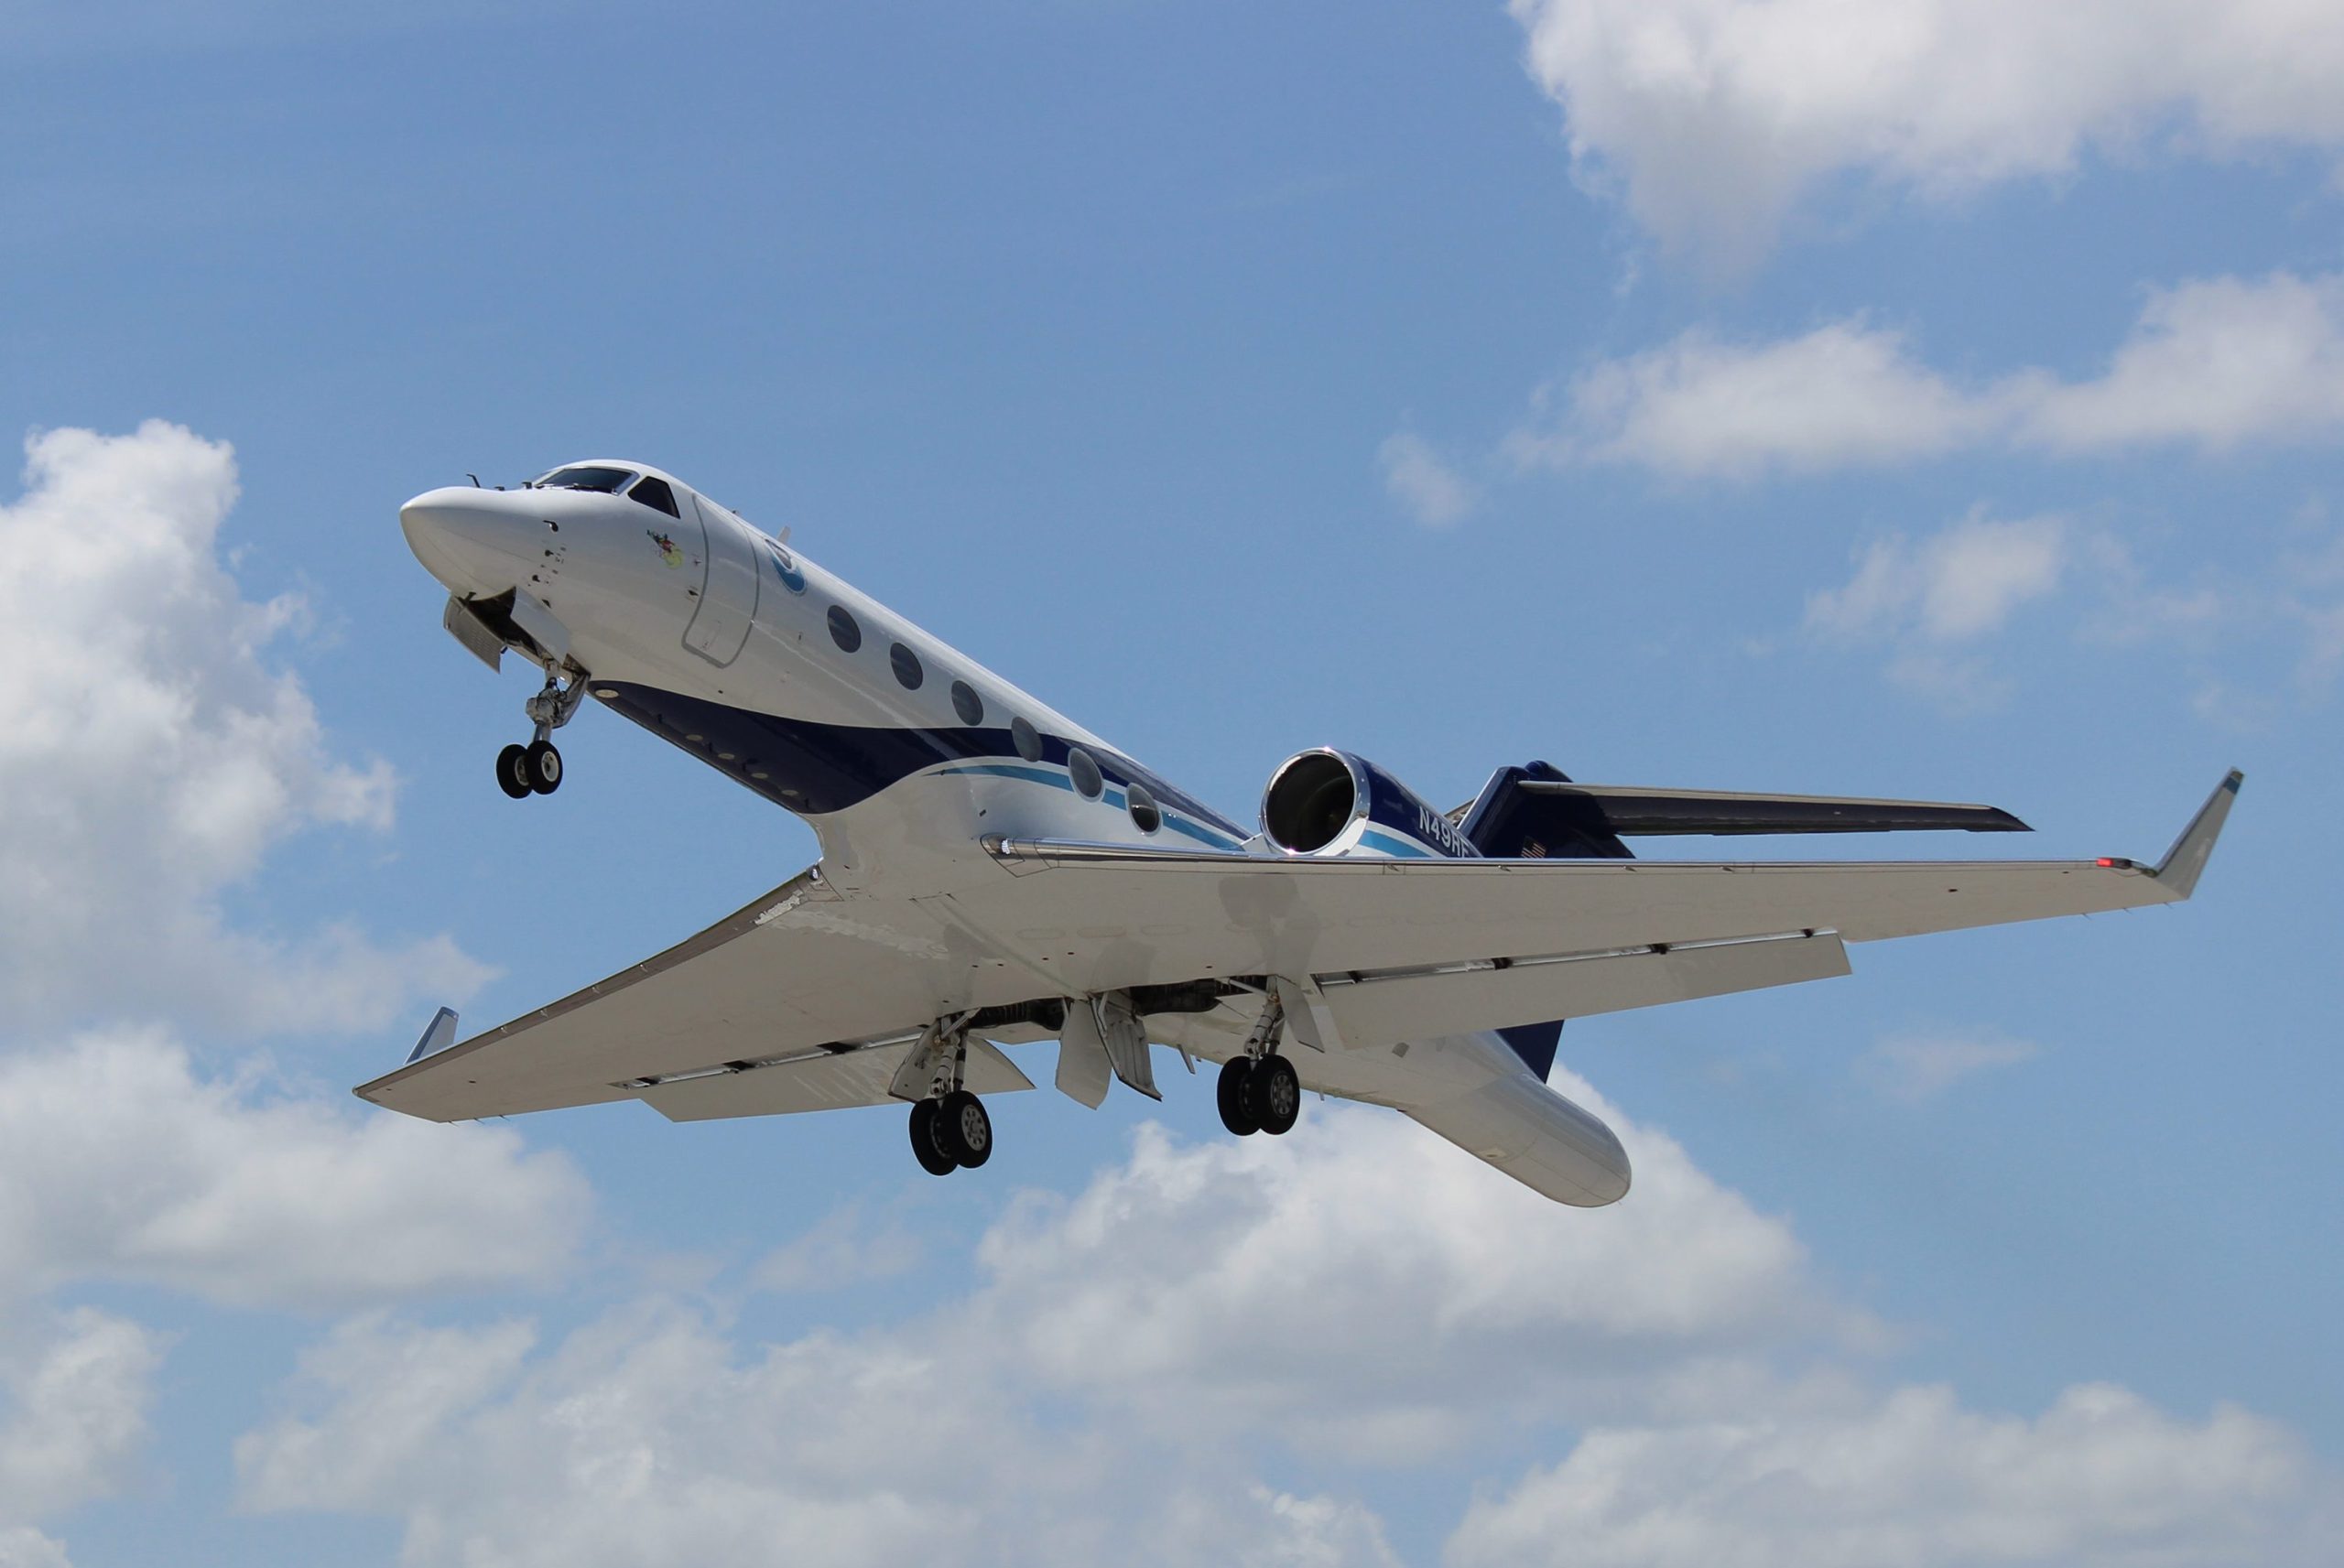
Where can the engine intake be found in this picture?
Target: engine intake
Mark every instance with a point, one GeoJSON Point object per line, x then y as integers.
{"type": "Point", "coordinates": [1325, 801]}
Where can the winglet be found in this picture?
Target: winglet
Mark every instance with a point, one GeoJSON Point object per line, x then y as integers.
{"type": "Point", "coordinates": [437, 1035]}
{"type": "Point", "coordinates": [2179, 868]}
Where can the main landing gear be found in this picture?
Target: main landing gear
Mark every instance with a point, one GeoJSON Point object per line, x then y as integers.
{"type": "Point", "coordinates": [536, 768]}
{"type": "Point", "coordinates": [1259, 1090]}
{"type": "Point", "coordinates": [950, 1129]}
{"type": "Point", "coordinates": [951, 1134]}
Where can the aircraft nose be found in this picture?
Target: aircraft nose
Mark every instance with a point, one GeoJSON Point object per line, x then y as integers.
{"type": "Point", "coordinates": [468, 541]}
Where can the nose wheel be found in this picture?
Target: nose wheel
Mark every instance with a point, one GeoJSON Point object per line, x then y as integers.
{"type": "Point", "coordinates": [533, 769]}
{"type": "Point", "coordinates": [536, 768]}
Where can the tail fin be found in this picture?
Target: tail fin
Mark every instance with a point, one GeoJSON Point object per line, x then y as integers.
{"type": "Point", "coordinates": [1508, 823]}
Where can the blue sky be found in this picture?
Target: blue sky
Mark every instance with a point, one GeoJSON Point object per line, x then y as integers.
{"type": "Point", "coordinates": [1944, 403]}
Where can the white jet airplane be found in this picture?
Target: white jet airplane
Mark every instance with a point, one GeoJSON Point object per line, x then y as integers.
{"type": "Point", "coordinates": [992, 874]}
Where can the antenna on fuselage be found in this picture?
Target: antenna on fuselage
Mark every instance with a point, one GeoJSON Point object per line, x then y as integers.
{"type": "Point", "coordinates": [475, 479]}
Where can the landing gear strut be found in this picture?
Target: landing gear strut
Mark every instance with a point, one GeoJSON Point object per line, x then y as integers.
{"type": "Point", "coordinates": [536, 768]}
{"type": "Point", "coordinates": [950, 1129]}
{"type": "Point", "coordinates": [1259, 1090]}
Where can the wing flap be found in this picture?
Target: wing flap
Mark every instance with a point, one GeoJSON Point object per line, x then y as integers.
{"type": "Point", "coordinates": [829, 1081]}
{"type": "Point", "coordinates": [1383, 1010]}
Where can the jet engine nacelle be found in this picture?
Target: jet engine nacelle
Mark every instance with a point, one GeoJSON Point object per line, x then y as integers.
{"type": "Point", "coordinates": [1330, 802]}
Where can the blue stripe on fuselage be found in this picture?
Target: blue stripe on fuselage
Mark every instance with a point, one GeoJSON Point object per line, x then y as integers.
{"type": "Point", "coordinates": [814, 769]}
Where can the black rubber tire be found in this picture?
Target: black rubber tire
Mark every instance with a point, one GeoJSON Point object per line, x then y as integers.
{"type": "Point", "coordinates": [544, 767]}
{"type": "Point", "coordinates": [963, 1130]}
{"type": "Point", "coordinates": [925, 1147]}
{"type": "Point", "coordinates": [1276, 1094]}
{"type": "Point", "coordinates": [1229, 1094]}
{"type": "Point", "coordinates": [513, 771]}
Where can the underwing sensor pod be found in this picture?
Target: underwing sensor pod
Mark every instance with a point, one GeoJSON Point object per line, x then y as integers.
{"type": "Point", "coordinates": [994, 875]}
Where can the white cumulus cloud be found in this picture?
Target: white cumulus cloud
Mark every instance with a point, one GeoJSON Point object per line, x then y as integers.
{"type": "Point", "coordinates": [1139, 1355]}
{"type": "Point", "coordinates": [1299, 1285]}
{"type": "Point", "coordinates": [1958, 585]}
{"type": "Point", "coordinates": [1913, 1477]}
{"type": "Point", "coordinates": [1360, 1289]}
{"type": "Point", "coordinates": [1713, 118]}
{"type": "Point", "coordinates": [151, 756]}
{"type": "Point", "coordinates": [74, 1392]}
{"type": "Point", "coordinates": [651, 1436]}
{"type": "Point", "coordinates": [1929, 605]}
{"type": "Point", "coordinates": [2215, 363]}
{"type": "Point", "coordinates": [1422, 483]}
{"type": "Point", "coordinates": [1920, 1066]}
{"type": "Point", "coordinates": [120, 1160]}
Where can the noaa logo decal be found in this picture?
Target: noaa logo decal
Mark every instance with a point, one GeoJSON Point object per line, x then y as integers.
{"type": "Point", "coordinates": [791, 577]}
{"type": "Point", "coordinates": [667, 551]}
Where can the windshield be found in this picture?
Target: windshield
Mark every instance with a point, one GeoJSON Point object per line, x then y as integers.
{"type": "Point", "coordinates": [608, 481]}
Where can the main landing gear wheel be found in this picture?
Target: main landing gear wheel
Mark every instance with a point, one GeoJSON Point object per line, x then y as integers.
{"type": "Point", "coordinates": [513, 771]}
{"type": "Point", "coordinates": [925, 1147]}
{"type": "Point", "coordinates": [963, 1130]}
{"type": "Point", "coordinates": [1275, 1094]}
{"type": "Point", "coordinates": [1236, 1104]}
{"type": "Point", "coordinates": [952, 1133]}
{"type": "Point", "coordinates": [544, 766]}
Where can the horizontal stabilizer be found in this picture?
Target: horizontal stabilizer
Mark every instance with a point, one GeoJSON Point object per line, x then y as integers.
{"type": "Point", "coordinates": [1632, 811]}
{"type": "Point", "coordinates": [1382, 1008]}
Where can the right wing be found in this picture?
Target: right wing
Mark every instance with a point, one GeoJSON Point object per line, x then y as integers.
{"type": "Point", "coordinates": [1388, 951]}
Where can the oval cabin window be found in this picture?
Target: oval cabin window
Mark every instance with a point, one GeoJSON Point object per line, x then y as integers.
{"type": "Point", "coordinates": [908, 673]}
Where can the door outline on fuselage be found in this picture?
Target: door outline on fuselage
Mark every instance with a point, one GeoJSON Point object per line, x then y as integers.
{"type": "Point", "coordinates": [729, 593]}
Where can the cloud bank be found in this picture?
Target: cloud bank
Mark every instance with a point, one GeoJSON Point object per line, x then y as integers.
{"type": "Point", "coordinates": [151, 757]}
{"type": "Point", "coordinates": [1144, 1360]}
{"type": "Point", "coordinates": [2216, 365]}
{"type": "Point", "coordinates": [1714, 118]}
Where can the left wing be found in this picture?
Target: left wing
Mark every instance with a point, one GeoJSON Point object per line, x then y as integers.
{"type": "Point", "coordinates": [792, 982]}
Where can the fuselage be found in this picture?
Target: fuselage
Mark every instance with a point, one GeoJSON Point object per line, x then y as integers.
{"type": "Point", "coordinates": [902, 753]}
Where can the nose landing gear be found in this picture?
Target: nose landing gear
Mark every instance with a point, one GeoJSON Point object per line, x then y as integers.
{"type": "Point", "coordinates": [536, 768]}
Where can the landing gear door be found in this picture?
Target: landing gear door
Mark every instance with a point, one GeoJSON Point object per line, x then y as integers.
{"type": "Point", "coordinates": [728, 602]}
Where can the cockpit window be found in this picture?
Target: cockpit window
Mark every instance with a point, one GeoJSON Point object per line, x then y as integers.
{"type": "Point", "coordinates": [609, 482]}
{"type": "Point", "coordinates": [653, 491]}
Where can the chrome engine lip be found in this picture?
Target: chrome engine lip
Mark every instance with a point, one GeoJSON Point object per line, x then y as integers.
{"type": "Point", "coordinates": [1362, 802]}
